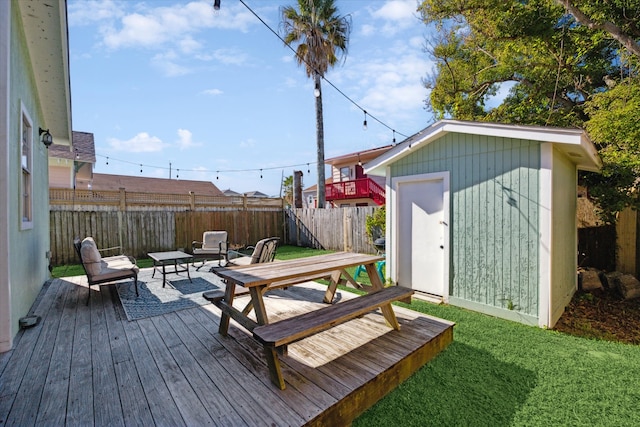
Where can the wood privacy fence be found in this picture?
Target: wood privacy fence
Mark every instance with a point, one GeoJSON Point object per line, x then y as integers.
{"type": "Point", "coordinates": [142, 224]}
{"type": "Point", "coordinates": [340, 229]}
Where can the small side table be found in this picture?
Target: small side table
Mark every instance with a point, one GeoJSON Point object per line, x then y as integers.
{"type": "Point", "coordinates": [178, 259]}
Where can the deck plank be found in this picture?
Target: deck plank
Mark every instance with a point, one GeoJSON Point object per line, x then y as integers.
{"type": "Point", "coordinates": [135, 409]}
{"type": "Point", "coordinates": [106, 399]}
{"type": "Point", "coordinates": [79, 411]}
{"type": "Point", "coordinates": [52, 410]}
{"type": "Point", "coordinates": [176, 369]}
{"type": "Point", "coordinates": [27, 400]}
{"type": "Point", "coordinates": [161, 404]}
{"type": "Point", "coordinates": [18, 361]}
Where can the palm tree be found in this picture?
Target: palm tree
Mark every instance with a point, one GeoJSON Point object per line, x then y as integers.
{"type": "Point", "coordinates": [321, 36]}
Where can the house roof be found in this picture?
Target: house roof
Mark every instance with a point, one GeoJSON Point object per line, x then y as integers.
{"type": "Point", "coordinates": [255, 194]}
{"type": "Point", "coordinates": [363, 156]}
{"type": "Point", "coordinates": [142, 184]}
{"type": "Point", "coordinates": [572, 142]}
{"type": "Point", "coordinates": [82, 149]}
{"type": "Point", "coordinates": [45, 31]}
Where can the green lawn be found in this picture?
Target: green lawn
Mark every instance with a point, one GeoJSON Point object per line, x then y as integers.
{"type": "Point", "coordinates": [501, 373]}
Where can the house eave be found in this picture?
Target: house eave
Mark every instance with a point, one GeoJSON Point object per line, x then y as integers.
{"type": "Point", "coordinates": [45, 28]}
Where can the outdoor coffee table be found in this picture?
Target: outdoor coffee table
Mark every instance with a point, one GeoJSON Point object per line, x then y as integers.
{"type": "Point", "coordinates": [179, 260]}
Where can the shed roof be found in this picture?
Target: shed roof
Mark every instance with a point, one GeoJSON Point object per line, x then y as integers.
{"type": "Point", "coordinates": [153, 185]}
{"type": "Point", "coordinates": [573, 142]}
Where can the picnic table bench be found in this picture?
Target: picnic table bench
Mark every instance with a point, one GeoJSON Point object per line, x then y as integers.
{"type": "Point", "coordinates": [259, 278]}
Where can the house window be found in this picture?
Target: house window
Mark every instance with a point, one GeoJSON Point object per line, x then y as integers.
{"type": "Point", "coordinates": [345, 173]}
{"type": "Point", "coordinates": [26, 162]}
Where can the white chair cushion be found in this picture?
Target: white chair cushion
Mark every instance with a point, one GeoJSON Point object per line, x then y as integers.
{"type": "Point", "coordinates": [91, 256]}
{"type": "Point", "coordinates": [211, 240]}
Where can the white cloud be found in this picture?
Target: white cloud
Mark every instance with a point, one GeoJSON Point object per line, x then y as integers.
{"type": "Point", "coordinates": [213, 92]}
{"type": "Point", "coordinates": [90, 12]}
{"type": "Point", "coordinates": [167, 63]}
{"type": "Point", "coordinates": [185, 140]}
{"type": "Point", "coordinates": [141, 143]}
{"type": "Point", "coordinates": [248, 143]}
{"type": "Point", "coordinates": [230, 56]}
{"type": "Point", "coordinates": [395, 16]}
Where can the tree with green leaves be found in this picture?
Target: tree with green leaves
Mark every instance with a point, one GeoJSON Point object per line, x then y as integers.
{"type": "Point", "coordinates": [287, 187]}
{"type": "Point", "coordinates": [321, 37]}
{"type": "Point", "coordinates": [560, 69]}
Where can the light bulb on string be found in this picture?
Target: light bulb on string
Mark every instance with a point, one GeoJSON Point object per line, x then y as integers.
{"type": "Point", "coordinates": [394, 137]}
{"type": "Point", "coordinates": [316, 91]}
{"type": "Point", "coordinates": [260, 173]}
{"type": "Point", "coordinates": [178, 174]}
{"type": "Point", "coordinates": [217, 174]}
{"type": "Point", "coordinates": [364, 124]}
{"type": "Point", "coordinates": [140, 167]}
{"type": "Point", "coordinates": [308, 169]}
{"type": "Point", "coordinates": [107, 161]}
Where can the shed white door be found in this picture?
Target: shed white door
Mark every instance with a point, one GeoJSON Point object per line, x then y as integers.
{"type": "Point", "coordinates": [422, 233]}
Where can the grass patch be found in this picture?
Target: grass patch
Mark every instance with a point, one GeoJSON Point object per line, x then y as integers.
{"type": "Point", "coordinates": [502, 373]}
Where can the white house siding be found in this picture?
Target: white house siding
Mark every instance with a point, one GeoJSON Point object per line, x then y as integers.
{"type": "Point", "coordinates": [563, 223]}
{"type": "Point", "coordinates": [494, 219]}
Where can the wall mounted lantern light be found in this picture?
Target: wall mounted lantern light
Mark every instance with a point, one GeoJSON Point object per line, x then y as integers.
{"type": "Point", "coordinates": [47, 139]}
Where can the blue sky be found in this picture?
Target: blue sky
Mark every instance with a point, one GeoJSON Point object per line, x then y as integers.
{"type": "Point", "coordinates": [216, 96]}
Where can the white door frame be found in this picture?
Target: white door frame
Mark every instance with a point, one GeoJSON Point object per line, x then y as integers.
{"type": "Point", "coordinates": [393, 218]}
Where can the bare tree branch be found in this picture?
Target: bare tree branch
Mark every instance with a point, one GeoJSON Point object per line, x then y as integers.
{"type": "Point", "coordinates": [609, 27]}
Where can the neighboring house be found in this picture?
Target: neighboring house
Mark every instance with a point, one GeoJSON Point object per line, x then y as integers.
{"type": "Point", "coordinates": [35, 97]}
{"type": "Point", "coordinates": [483, 215]}
{"type": "Point", "coordinates": [310, 194]}
{"type": "Point", "coordinates": [230, 192]}
{"type": "Point", "coordinates": [71, 166]}
{"type": "Point", "coordinates": [350, 185]}
{"type": "Point", "coordinates": [140, 184]}
{"type": "Point", "coordinates": [255, 194]}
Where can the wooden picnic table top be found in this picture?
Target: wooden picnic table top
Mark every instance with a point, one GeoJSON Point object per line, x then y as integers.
{"type": "Point", "coordinates": [266, 273]}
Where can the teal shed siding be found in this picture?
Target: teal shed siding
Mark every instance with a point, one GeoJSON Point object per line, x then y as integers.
{"type": "Point", "coordinates": [494, 230]}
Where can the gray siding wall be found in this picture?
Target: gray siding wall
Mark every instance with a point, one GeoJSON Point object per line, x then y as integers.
{"type": "Point", "coordinates": [494, 216]}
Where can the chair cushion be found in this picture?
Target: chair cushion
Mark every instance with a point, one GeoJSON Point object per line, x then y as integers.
{"type": "Point", "coordinates": [91, 256]}
{"type": "Point", "coordinates": [211, 240]}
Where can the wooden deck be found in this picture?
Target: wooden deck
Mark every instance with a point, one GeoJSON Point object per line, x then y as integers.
{"type": "Point", "coordinates": [89, 365]}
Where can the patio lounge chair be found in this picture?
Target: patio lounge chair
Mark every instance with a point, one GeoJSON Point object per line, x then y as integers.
{"type": "Point", "coordinates": [214, 246]}
{"type": "Point", "coordinates": [104, 269]}
{"type": "Point", "coordinates": [264, 251]}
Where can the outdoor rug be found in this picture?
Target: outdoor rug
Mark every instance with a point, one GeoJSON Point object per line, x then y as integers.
{"type": "Point", "coordinates": [154, 300]}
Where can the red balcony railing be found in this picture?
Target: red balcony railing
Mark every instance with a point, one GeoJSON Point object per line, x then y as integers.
{"type": "Point", "coordinates": [363, 188]}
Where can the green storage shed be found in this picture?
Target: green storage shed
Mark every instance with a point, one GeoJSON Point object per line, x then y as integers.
{"type": "Point", "coordinates": [483, 215]}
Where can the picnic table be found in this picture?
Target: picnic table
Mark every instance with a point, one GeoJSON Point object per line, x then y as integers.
{"type": "Point", "coordinates": [260, 278]}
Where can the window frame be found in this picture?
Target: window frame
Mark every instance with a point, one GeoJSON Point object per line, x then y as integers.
{"type": "Point", "coordinates": [26, 170]}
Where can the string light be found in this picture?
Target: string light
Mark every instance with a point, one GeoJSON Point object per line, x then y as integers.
{"type": "Point", "coordinates": [178, 174]}
{"type": "Point", "coordinates": [394, 137]}
{"type": "Point", "coordinates": [217, 174]}
{"type": "Point", "coordinates": [107, 161]}
{"type": "Point", "coordinates": [308, 169]}
{"type": "Point", "coordinates": [140, 167]}
{"type": "Point", "coordinates": [260, 173]}
{"type": "Point", "coordinates": [313, 68]}
{"type": "Point", "coordinates": [364, 124]}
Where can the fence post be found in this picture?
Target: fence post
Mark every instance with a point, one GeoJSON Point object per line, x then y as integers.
{"type": "Point", "coordinates": [192, 200]}
{"type": "Point", "coordinates": [123, 199]}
